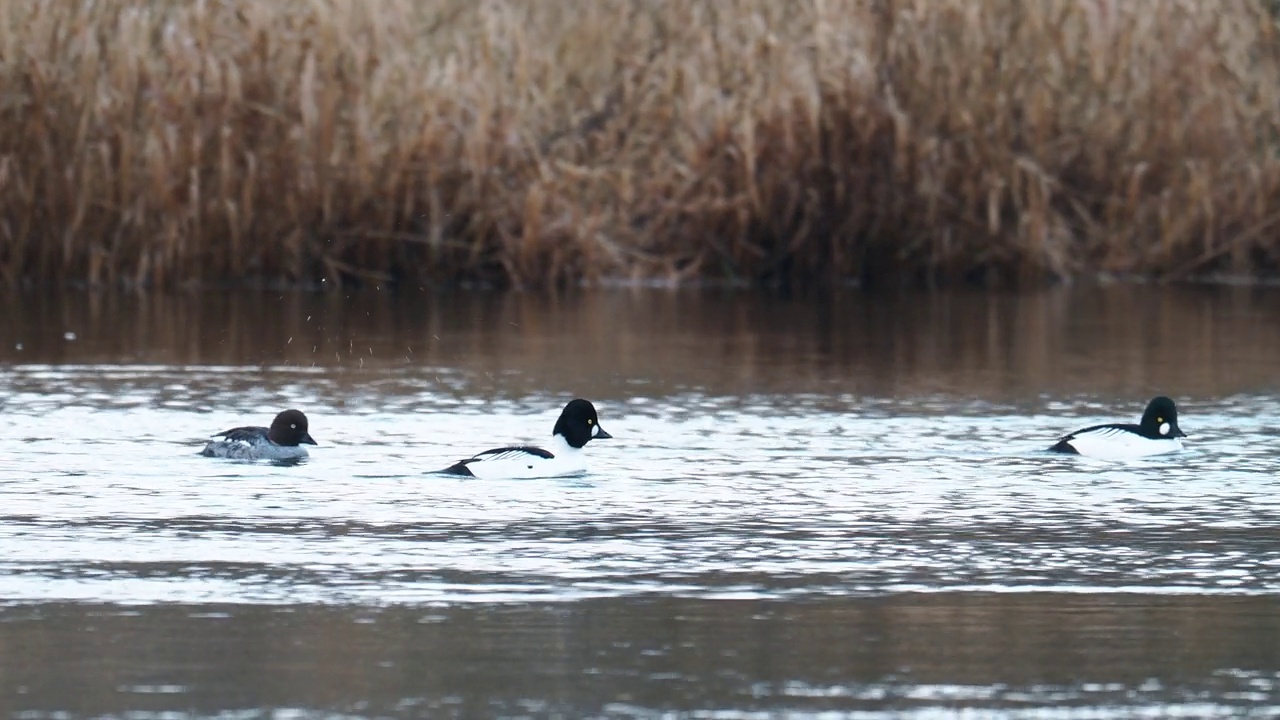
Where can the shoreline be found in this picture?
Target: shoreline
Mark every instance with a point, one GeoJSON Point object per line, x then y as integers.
{"type": "Point", "coordinates": [1096, 280]}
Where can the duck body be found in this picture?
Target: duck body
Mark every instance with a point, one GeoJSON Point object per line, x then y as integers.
{"type": "Point", "coordinates": [1157, 434]}
{"type": "Point", "coordinates": [577, 425]}
{"type": "Point", "coordinates": [282, 441]}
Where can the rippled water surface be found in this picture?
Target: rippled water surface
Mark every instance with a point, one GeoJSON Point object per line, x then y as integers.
{"type": "Point", "coordinates": [831, 504]}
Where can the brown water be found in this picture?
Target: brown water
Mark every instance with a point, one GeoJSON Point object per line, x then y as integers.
{"type": "Point", "coordinates": [820, 505]}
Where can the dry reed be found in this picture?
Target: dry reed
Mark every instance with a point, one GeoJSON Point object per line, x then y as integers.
{"type": "Point", "coordinates": [535, 143]}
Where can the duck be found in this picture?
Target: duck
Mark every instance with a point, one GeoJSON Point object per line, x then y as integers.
{"type": "Point", "coordinates": [1157, 433]}
{"type": "Point", "coordinates": [282, 441]}
{"type": "Point", "coordinates": [577, 425]}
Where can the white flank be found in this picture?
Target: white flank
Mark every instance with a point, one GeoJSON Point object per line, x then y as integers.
{"type": "Point", "coordinates": [241, 450]}
{"type": "Point", "coordinates": [522, 466]}
{"type": "Point", "coordinates": [1117, 444]}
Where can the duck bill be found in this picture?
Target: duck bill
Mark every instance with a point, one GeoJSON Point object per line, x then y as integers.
{"type": "Point", "coordinates": [1179, 433]}
{"type": "Point", "coordinates": [601, 434]}
{"type": "Point", "coordinates": [307, 440]}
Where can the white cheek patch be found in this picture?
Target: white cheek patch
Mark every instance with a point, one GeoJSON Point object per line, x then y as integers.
{"type": "Point", "coordinates": [595, 430]}
{"type": "Point", "coordinates": [1164, 428]}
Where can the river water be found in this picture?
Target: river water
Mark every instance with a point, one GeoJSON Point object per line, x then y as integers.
{"type": "Point", "coordinates": [834, 505]}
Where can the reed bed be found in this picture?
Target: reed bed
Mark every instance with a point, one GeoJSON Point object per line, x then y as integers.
{"type": "Point", "coordinates": [561, 141]}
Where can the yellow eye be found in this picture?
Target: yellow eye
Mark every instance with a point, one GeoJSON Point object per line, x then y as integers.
{"type": "Point", "coordinates": [1159, 419]}
{"type": "Point", "coordinates": [590, 421]}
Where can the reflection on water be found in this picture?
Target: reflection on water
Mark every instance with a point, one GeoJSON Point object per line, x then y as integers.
{"type": "Point", "coordinates": [1115, 343]}
{"type": "Point", "coordinates": [834, 503]}
{"type": "Point", "coordinates": [1090, 656]}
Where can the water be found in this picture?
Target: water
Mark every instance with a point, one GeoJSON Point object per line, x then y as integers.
{"type": "Point", "coordinates": [811, 506]}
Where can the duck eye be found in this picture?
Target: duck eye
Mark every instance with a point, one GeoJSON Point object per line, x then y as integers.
{"type": "Point", "coordinates": [1159, 419]}
{"type": "Point", "coordinates": [293, 426]}
{"type": "Point", "coordinates": [590, 421]}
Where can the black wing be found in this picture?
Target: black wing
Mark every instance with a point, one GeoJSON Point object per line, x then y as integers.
{"type": "Point", "coordinates": [1064, 446]}
{"type": "Point", "coordinates": [502, 453]}
{"type": "Point", "coordinates": [244, 434]}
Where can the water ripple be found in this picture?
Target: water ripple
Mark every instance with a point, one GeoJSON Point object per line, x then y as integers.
{"type": "Point", "coordinates": [698, 495]}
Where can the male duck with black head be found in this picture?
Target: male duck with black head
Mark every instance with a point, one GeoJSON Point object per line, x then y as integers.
{"type": "Point", "coordinates": [1156, 434]}
{"type": "Point", "coordinates": [578, 424]}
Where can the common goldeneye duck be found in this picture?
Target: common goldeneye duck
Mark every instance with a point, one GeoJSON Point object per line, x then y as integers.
{"type": "Point", "coordinates": [578, 424]}
{"type": "Point", "coordinates": [1156, 434]}
{"type": "Point", "coordinates": [282, 441]}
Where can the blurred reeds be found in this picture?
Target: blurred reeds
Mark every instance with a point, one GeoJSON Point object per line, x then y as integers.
{"type": "Point", "coordinates": [555, 141]}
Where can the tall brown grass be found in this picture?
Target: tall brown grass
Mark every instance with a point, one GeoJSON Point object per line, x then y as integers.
{"type": "Point", "coordinates": [532, 143]}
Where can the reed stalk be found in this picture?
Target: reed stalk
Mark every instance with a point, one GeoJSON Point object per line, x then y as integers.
{"type": "Point", "coordinates": [562, 141]}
